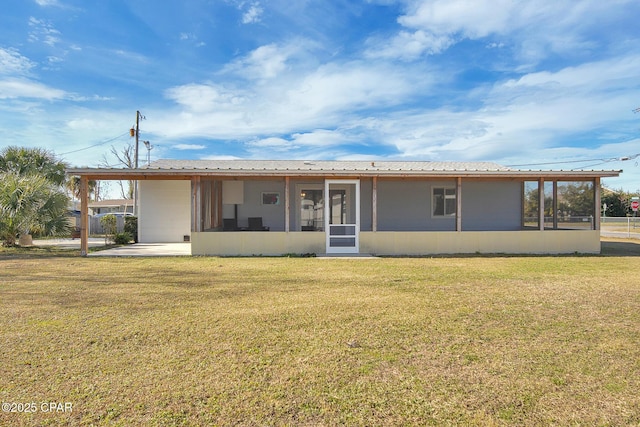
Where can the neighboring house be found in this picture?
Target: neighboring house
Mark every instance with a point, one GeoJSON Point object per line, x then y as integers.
{"type": "Point", "coordinates": [249, 207]}
{"type": "Point", "coordinates": [111, 206]}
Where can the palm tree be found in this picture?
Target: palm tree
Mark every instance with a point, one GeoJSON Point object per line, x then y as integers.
{"type": "Point", "coordinates": [25, 161]}
{"type": "Point", "coordinates": [73, 185]}
{"type": "Point", "coordinates": [31, 204]}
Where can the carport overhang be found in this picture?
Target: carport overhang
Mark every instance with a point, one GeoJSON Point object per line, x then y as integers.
{"type": "Point", "coordinates": [87, 174]}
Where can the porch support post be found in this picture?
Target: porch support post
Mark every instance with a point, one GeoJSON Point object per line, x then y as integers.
{"type": "Point", "coordinates": [459, 204]}
{"type": "Point", "coordinates": [541, 204]}
{"type": "Point", "coordinates": [219, 221]}
{"type": "Point", "coordinates": [84, 216]}
{"type": "Point", "coordinates": [196, 205]}
{"type": "Point", "coordinates": [598, 202]}
{"type": "Point", "coordinates": [374, 205]}
{"type": "Point", "coordinates": [555, 205]}
{"type": "Point", "coordinates": [287, 205]}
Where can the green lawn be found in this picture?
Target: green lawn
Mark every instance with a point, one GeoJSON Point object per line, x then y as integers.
{"type": "Point", "coordinates": [307, 341]}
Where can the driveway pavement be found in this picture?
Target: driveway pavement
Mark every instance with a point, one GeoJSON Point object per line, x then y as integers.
{"type": "Point", "coordinates": [621, 234]}
{"type": "Point", "coordinates": [68, 243]}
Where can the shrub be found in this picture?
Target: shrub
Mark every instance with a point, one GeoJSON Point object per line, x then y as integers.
{"type": "Point", "coordinates": [110, 225]}
{"type": "Point", "coordinates": [122, 238]}
{"type": "Point", "coordinates": [131, 227]}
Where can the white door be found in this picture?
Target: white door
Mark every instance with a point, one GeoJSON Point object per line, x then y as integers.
{"type": "Point", "coordinates": [342, 216]}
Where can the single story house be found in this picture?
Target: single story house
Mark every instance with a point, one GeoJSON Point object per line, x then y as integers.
{"type": "Point", "coordinates": [252, 207]}
{"type": "Point", "coordinates": [110, 206]}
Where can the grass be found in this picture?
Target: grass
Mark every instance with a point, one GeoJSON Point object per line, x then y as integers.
{"type": "Point", "coordinates": [307, 341]}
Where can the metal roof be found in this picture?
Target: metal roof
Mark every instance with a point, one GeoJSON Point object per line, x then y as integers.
{"type": "Point", "coordinates": [182, 169]}
{"type": "Point", "coordinates": [322, 165]}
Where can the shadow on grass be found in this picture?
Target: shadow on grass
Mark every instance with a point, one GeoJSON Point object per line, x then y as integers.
{"type": "Point", "coordinates": [613, 247]}
{"type": "Point", "coordinates": [36, 252]}
{"type": "Point", "coordinates": [48, 251]}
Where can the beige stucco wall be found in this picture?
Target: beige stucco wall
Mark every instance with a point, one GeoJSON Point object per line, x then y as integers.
{"type": "Point", "coordinates": [164, 211]}
{"type": "Point", "coordinates": [400, 243]}
{"type": "Point", "coordinates": [451, 242]}
{"type": "Point", "coordinates": [257, 243]}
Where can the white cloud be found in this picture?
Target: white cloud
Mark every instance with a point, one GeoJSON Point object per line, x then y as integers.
{"type": "Point", "coordinates": [54, 59]}
{"type": "Point", "coordinates": [622, 70]}
{"type": "Point", "coordinates": [191, 37]}
{"type": "Point", "coordinates": [522, 118]}
{"type": "Point", "coordinates": [472, 19]}
{"type": "Point", "coordinates": [308, 99]}
{"type": "Point", "coordinates": [12, 62]}
{"type": "Point", "coordinates": [317, 138]}
{"type": "Point", "coordinates": [202, 98]}
{"type": "Point", "coordinates": [273, 60]}
{"type": "Point", "coordinates": [23, 88]}
{"type": "Point", "coordinates": [284, 91]}
{"type": "Point", "coordinates": [46, 3]}
{"type": "Point", "coordinates": [272, 143]}
{"type": "Point", "coordinates": [183, 147]}
{"type": "Point", "coordinates": [535, 29]}
{"type": "Point", "coordinates": [340, 102]}
{"type": "Point", "coordinates": [43, 31]}
{"type": "Point", "coordinates": [323, 138]}
{"type": "Point", "coordinates": [432, 26]}
{"type": "Point", "coordinates": [408, 45]}
{"type": "Point", "coordinates": [219, 157]}
{"type": "Point", "coordinates": [83, 124]}
{"type": "Point", "coordinates": [253, 14]}
{"type": "Point", "coordinates": [265, 62]}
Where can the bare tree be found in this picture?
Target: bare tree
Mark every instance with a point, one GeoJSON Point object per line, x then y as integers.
{"type": "Point", "coordinates": [126, 158]}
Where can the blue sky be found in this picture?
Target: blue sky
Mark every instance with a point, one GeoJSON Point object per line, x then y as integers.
{"type": "Point", "coordinates": [532, 83]}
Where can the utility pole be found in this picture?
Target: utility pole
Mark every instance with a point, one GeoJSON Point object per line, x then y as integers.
{"type": "Point", "coordinates": [137, 137]}
{"type": "Point", "coordinates": [136, 132]}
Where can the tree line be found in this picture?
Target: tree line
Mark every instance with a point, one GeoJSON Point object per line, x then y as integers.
{"type": "Point", "coordinates": [618, 202]}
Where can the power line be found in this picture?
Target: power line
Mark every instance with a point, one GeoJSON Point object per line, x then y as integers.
{"type": "Point", "coordinates": [95, 145]}
{"type": "Point", "coordinates": [600, 161]}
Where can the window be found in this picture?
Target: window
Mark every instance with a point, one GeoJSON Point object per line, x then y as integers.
{"type": "Point", "coordinates": [444, 201]}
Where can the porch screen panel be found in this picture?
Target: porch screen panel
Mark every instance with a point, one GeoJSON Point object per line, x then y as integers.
{"type": "Point", "coordinates": [575, 205]}
{"type": "Point", "coordinates": [530, 205]}
{"type": "Point", "coordinates": [337, 207]}
{"type": "Point", "coordinates": [210, 199]}
{"type": "Point", "coordinates": [206, 196]}
{"type": "Point", "coordinates": [549, 206]}
{"type": "Point", "coordinates": [312, 210]}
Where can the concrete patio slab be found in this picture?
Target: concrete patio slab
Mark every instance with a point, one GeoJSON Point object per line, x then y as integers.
{"type": "Point", "coordinates": [146, 249]}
